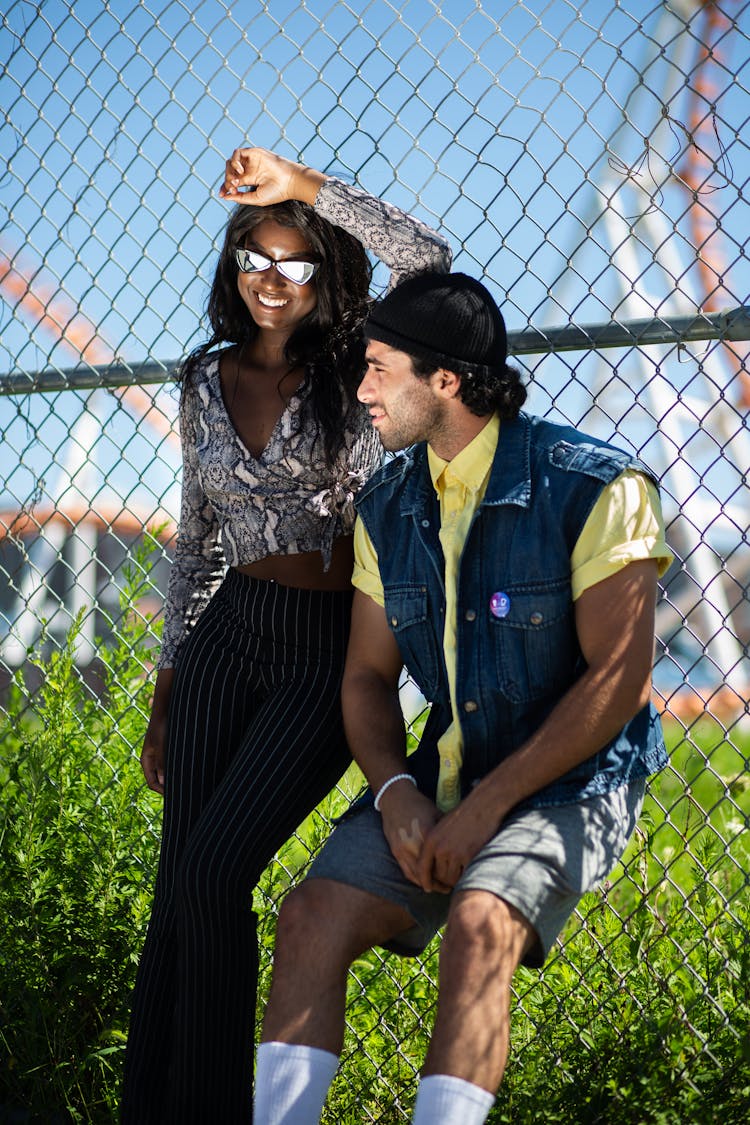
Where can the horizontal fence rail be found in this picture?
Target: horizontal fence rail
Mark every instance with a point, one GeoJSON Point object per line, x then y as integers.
{"type": "Point", "coordinates": [733, 325]}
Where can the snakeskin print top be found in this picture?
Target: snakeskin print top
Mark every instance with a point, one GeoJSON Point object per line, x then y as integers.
{"type": "Point", "coordinates": [237, 508]}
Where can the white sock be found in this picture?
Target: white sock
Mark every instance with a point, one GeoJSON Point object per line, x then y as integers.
{"type": "Point", "coordinates": [445, 1100]}
{"type": "Point", "coordinates": [291, 1083]}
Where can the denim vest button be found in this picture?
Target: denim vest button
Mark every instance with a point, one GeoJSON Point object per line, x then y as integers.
{"type": "Point", "coordinates": [394, 621]}
{"type": "Point", "coordinates": [425, 523]}
{"type": "Point", "coordinates": [536, 618]}
{"type": "Point", "coordinates": [471, 615]}
{"type": "Point", "coordinates": [471, 705]}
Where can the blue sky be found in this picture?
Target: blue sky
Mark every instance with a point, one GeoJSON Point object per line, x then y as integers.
{"type": "Point", "coordinates": [516, 128]}
{"type": "Point", "coordinates": [498, 131]}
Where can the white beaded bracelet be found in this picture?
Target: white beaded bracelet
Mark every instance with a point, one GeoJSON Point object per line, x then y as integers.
{"type": "Point", "coordinates": [390, 781]}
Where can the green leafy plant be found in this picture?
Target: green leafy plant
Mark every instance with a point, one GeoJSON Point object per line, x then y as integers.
{"type": "Point", "coordinates": [641, 1016]}
{"type": "Point", "coordinates": [77, 853]}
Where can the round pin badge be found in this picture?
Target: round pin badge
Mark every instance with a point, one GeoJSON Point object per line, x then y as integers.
{"type": "Point", "coordinates": [499, 604]}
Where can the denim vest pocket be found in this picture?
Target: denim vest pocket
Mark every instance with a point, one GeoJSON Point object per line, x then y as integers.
{"type": "Point", "coordinates": [534, 642]}
{"type": "Point", "coordinates": [406, 610]}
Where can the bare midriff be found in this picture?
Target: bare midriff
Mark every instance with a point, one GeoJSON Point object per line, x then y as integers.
{"type": "Point", "coordinates": [305, 571]}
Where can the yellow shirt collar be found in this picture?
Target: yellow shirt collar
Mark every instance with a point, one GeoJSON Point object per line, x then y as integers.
{"type": "Point", "coordinates": [471, 465]}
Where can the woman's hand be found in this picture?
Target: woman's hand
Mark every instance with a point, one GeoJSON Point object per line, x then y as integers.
{"type": "Point", "coordinates": [152, 755]}
{"type": "Point", "coordinates": [260, 177]}
{"type": "Point", "coordinates": [154, 744]}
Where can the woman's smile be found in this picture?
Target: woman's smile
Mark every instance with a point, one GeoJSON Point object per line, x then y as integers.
{"type": "Point", "coordinates": [271, 302]}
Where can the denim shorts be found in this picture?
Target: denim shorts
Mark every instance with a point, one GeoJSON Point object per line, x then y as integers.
{"type": "Point", "coordinates": [541, 862]}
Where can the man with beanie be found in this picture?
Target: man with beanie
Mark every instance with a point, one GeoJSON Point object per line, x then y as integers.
{"type": "Point", "coordinates": [511, 564]}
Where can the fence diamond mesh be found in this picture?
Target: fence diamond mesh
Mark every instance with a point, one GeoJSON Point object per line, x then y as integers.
{"type": "Point", "coordinates": [590, 163]}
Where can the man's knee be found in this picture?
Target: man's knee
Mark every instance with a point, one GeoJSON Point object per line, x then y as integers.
{"type": "Point", "coordinates": [324, 921]}
{"type": "Point", "coordinates": [307, 913]}
{"type": "Point", "coordinates": [486, 930]}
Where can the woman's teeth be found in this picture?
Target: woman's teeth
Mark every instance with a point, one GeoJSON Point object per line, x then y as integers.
{"type": "Point", "coordinates": [271, 302]}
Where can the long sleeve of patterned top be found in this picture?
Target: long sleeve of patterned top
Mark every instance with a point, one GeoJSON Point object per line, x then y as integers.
{"type": "Point", "coordinates": [198, 564]}
{"type": "Point", "coordinates": [236, 507]}
{"type": "Point", "coordinates": [403, 243]}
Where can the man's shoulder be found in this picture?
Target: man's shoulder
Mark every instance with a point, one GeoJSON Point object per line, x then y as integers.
{"type": "Point", "coordinates": [545, 431]}
{"type": "Point", "coordinates": [572, 450]}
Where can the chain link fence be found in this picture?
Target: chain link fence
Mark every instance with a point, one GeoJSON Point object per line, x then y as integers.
{"type": "Point", "coordinates": [590, 163]}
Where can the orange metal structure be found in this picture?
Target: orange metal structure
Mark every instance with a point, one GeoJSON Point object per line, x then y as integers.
{"type": "Point", "coordinates": [704, 166]}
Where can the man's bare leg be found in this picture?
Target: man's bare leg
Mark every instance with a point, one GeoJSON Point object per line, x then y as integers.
{"type": "Point", "coordinates": [484, 942]}
{"type": "Point", "coordinates": [323, 927]}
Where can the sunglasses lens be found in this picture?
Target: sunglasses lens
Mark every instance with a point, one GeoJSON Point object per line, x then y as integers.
{"type": "Point", "coordinates": [297, 271]}
{"type": "Point", "coordinates": [250, 261]}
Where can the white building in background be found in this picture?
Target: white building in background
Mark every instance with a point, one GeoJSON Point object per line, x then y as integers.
{"type": "Point", "coordinates": [64, 552]}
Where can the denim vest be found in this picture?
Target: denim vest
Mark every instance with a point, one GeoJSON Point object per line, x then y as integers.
{"type": "Point", "coordinates": [513, 668]}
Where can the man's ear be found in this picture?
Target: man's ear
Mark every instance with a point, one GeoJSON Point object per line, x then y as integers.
{"type": "Point", "coordinates": [447, 383]}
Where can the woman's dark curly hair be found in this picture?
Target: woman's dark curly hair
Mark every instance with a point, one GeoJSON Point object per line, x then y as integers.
{"type": "Point", "coordinates": [328, 342]}
{"type": "Point", "coordinates": [482, 390]}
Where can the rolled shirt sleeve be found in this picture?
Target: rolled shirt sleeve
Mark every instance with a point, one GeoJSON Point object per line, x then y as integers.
{"type": "Point", "coordinates": [624, 526]}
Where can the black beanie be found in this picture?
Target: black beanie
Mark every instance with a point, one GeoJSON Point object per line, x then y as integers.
{"type": "Point", "coordinates": [449, 318]}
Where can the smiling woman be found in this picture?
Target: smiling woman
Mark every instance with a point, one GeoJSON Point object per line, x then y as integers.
{"type": "Point", "coordinates": [246, 734]}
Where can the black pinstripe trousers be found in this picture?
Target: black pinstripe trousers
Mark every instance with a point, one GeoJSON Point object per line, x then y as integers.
{"type": "Point", "coordinates": [255, 741]}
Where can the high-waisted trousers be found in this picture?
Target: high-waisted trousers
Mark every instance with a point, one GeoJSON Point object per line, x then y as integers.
{"type": "Point", "coordinates": [255, 741]}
